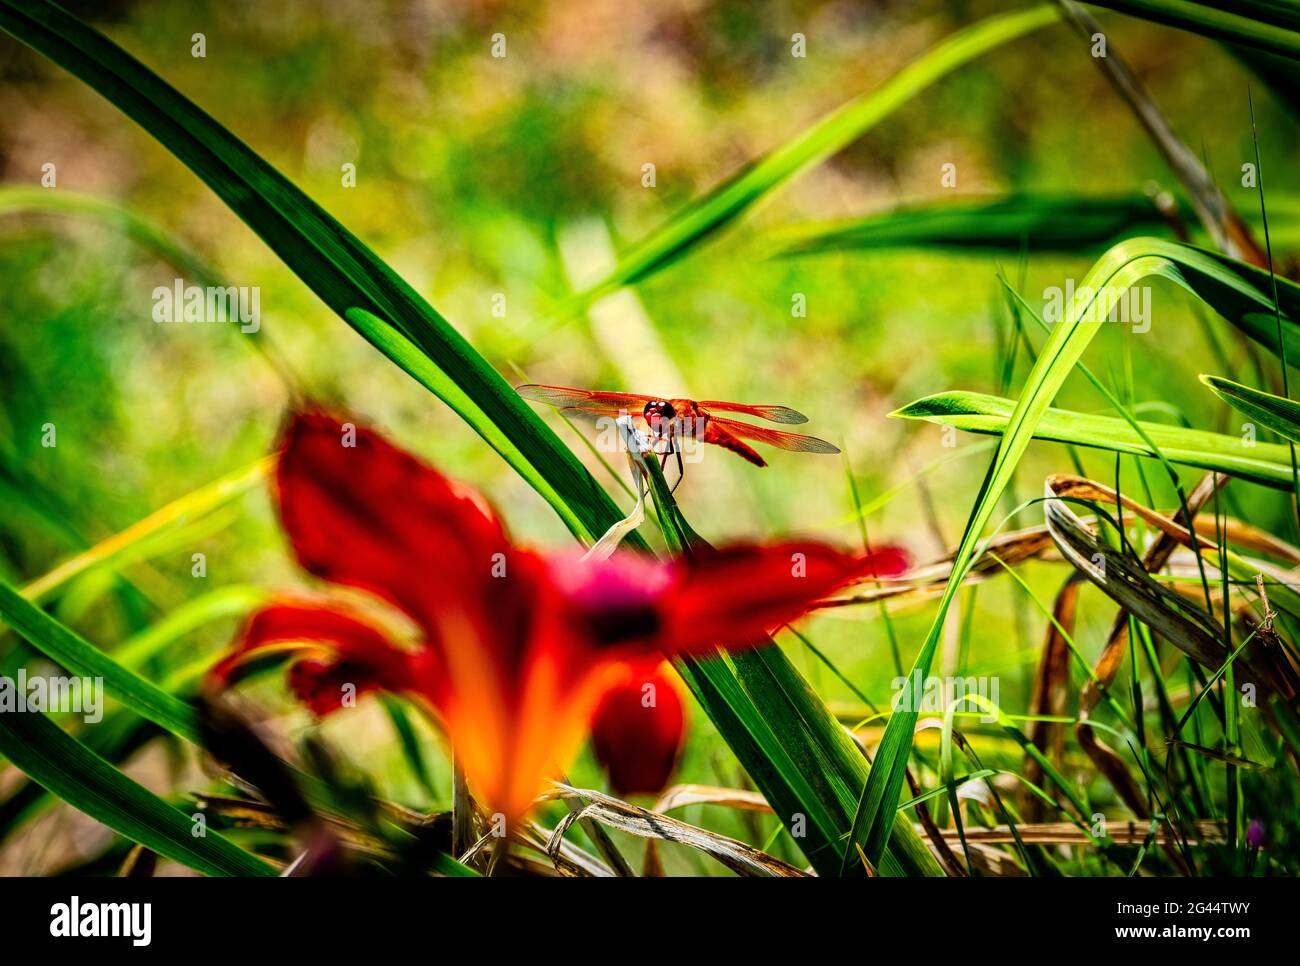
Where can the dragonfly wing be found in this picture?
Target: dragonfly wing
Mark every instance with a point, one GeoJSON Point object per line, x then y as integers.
{"type": "Point", "coordinates": [564, 397]}
{"type": "Point", "coordinates": [775, 437]}
{"type": "Point", "coordinates": [594, 414]}
{"type": "Point", "coordinates": [776, 414]}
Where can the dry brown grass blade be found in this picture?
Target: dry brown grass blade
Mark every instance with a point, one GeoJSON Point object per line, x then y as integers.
{"type": "Point", "coordinates": [652, 866]}
{"type": "Point", "coordinates": [1156, 556]}
{"type": "Point", "coordinates": [1182, 622]}
{"type": "Point", "coordinates": [1068, 486]}
{"type": "Point", "coordinates": [1035, 543]}
{"type": "Point", "coordinates": [568, 861]}
{"type": "Point", "coordinates": [929, 579]}
{"type": "Point", "coordinates": [680, 796]}
{"type": "Point", "coordinates": [927, 825]}
{"type": "Point", "coordinates": [1067, 833]}
{"type": "Point", "coordinates": [1239, 534]}
{"type": "Point", "coordinates": [1051, 694]}
{"type": "Point", "coordinates": [248, 813]}
{"type": "Point", "coordinates": [1175, 615]}
{"type": "Point", "coordinates": [535, 868]}
{"type": "Point", "coordinates": [464, 812]}
{"type": "Point", "coordinates": [601, 840]}
{"type": "Point", "coordinates": [1131, 584]}
{"type": "Point", "coordinates": [991, 862]}
{"type": "Point", "coordinates": [1111, 764]}
{"type": "Point", "coordinates": [140, 863]}
{"type": "Point", "coordinates": [737, 856]}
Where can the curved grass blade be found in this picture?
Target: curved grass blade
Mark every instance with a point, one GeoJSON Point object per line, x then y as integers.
{"type": "Point", "coordinates": [416, 363]}
{"type": "Point", "coordinates": [15, 199]}
{"type": "Point", "coordinates": [715, 210]}
{"type": "Point", "coordinates": [121, 732]}
{"type": "Point", "coordinates": [743, 859]}
{"type": "Point", "coordinates": [120, 735]}
{"type": "Point", "coordinates": [1278, 413]}
{"type": "Point", "coordinates": [19, 200]}
{"type": "Point", "coordinates": [234, 601]}
{"type": "Point", "coordinates": [1242, 294]}
{"type": "Point", "coordinates": [81, 778]}
{"type": "Point", "coordinates": [1184, 624]}
{"type": "Point", "coordinates": [1265, 463]}
{"type": "Point", "coordinates": [1262, 24]}
{"type": "Point", "coordinates": [122, 545]}
{"type": "Point", "coordinates": [66, 648]}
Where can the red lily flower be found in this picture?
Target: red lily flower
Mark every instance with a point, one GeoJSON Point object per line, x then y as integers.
{"type": "Point", "coordinates": [515, 650]}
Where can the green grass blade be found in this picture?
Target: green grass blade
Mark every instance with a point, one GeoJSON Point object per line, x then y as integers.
{"type": "Point", "coordinates": [23, 200]}
{"type": "Point", "coordinates": [120, 735]}
{"type": "Point", "coordinates": [16, 199]}
{"type": "Point", "coordinates": [234, 601]}
{"type": "Point", "coordinates": [126, 545]}
{"type": "Point", "coordinates": [81, 778]}
{"type": "Point", "coordinates": [770, 715]}
{"type": "Point", "coordinates": [1009, 224]}
{"type": "Point", "coordinates": [1242, 294]}
{"type": "Point", "coordinates": [1278, 413]}
{"type": "Point", "coordinates": [121, 732]}
{"type": "Point", "coordinates": [1262, 24]}
{"type": "Point", "coordinates": [66, 648]}
{"type": "Point", "coordinates": [417, 364]}
{"type": "Point", "coordinates": [1266, 463]}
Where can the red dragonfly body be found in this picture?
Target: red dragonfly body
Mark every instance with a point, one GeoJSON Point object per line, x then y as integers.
{"type": "Point", "coordinates": [674, 419]}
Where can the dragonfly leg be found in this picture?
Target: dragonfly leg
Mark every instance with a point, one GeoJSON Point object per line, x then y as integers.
{"type": "Point", "coordinates": [681, 473]}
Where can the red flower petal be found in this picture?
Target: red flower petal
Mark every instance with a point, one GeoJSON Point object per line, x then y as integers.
{"type": "Point", "coordinates": [361, 512]}
{"type": "Point", "coordinates": [334, 649]}
{"type": "Point", "coordinates": [638, 729]}
{"type": "Point", "coordinates": [515, 691]}
{"type": "Point", "coordinates": [735, 596]}
{"type": "Point", "coordinates": [887, 560]}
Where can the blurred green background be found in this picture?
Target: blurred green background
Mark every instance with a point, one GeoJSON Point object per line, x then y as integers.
{"type": "Point", "coordinates": [478, 177]}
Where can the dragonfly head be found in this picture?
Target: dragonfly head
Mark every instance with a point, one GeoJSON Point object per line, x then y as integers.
{"type": "Point", "coordinates": [659, 414]}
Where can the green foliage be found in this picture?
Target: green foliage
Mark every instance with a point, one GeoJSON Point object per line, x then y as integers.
{"type": "Point", "coordinates": [487, 188]}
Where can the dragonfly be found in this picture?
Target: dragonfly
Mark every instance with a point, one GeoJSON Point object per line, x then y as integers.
{"type": "Point", "coordinates": [673, 420]}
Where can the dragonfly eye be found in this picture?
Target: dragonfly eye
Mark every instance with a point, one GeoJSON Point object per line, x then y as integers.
{"type": "Point", "coordinates": [658, 411]}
